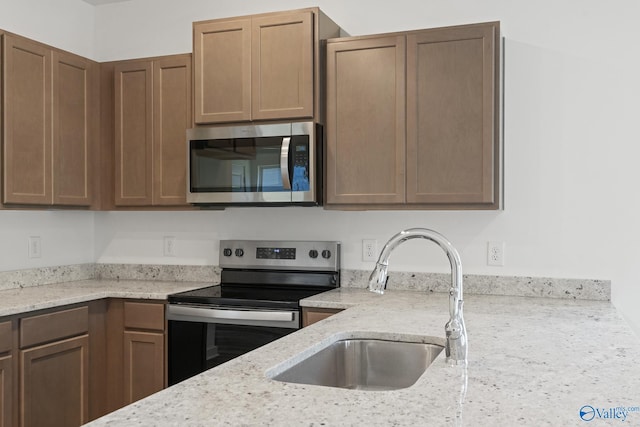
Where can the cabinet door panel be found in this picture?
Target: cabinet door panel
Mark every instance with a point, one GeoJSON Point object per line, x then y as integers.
{"type": "Point", "coordinates": [366, 121]}
{"type": "Point", "coordinates": [54, 384]}
{"type": "Point", "coordinates": [172, 117]}
{"type": "Point", "coordinates": [6, 388]}
{"type": "Point", "coordinates": [27, 121]}
{"type": "Point", "coordinates": [143, 364]}
{"type": "Point", "coordinates": [72, 130]}
{"type": "Point", "coordinates": [282, 66]}
{"type": "Point", "coordinates": [450, 115]}
{"type": "Point", "coordinates": [133, 134]}
{"type": "Point", "coordinates": [222, 61]}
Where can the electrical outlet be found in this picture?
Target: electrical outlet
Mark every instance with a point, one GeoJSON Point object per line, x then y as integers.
{"type": "Point", "coordinates": [369, 250]}
{"type": "Point", "coordinates": [495, 254]}
{"type": "Point", "coordinates": [35, 247]}
{"type": "Point", "coordinates": [169, 246]}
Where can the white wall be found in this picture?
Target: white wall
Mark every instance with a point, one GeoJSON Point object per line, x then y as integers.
{"type": "Point", "coordinates": [65, 24]}
{"type": "Point", "coordinates": [66, 238]}
{"type": "Point", "coordinates": [571, 143]}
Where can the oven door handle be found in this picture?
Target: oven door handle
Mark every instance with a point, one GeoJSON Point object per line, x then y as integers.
{"type": "Point", "coordinates": [177, 312]}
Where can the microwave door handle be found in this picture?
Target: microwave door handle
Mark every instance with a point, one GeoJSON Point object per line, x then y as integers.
{"type": "Point", "coordinates": [284, 162]}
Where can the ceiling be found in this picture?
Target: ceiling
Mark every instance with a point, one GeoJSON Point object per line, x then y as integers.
{"type": "Point", "coordinates": [100, 2]}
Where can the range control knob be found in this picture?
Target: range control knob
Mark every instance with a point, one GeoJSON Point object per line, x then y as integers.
{"type": "Point", "coordinates": [326, 254]}
{"type": "Point", "coordinates": [313, 253]}
{"type": "Point", "coordinates": [239, 252]}
{"type": "Point", "coordinates": [226, 252]}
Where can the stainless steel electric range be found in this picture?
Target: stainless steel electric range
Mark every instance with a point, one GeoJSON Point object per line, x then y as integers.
{"type": "Point", "coordinates": [257, 301]}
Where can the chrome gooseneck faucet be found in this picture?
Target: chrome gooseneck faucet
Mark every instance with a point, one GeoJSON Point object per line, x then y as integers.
{"type": "Point", "coordinates": [456, 333]}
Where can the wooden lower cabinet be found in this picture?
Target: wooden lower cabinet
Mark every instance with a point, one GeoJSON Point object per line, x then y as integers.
{"type": "Point", "coordinates": [138, 347]}
{"type": "Point", "coordinates": [70, 365]}
{"type": "Point", "coordinates": [143, 364]}
{"type": "Point", "coordinates": [313, 315]}
{"type": "Point", "coordinates": [6, 388]}
{"type": "Point", "coordinates": [54, 383]}
{"type": "Point", "coordinates": [54, 367]}
{"type": "Point", "coordinates": [8, 373]}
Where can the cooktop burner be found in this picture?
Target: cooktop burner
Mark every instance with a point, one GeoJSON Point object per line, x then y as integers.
{"type": "Point", "coordinates": [245, 296]}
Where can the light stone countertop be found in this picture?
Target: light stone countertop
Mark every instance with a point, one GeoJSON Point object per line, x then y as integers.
{"type": "Point", "coordinates": [31, 298]}
{"type": "Point", "coordinates": [532, 361]}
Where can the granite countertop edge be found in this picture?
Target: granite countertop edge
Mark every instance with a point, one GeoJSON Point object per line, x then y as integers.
{"type": "Point", "coordinates": [33, 298]}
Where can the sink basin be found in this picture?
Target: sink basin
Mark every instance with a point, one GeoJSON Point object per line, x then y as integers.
{"type": "Point", "coordinates": [364, 364]}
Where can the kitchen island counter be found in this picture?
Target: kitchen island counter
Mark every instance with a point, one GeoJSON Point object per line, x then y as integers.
{"type": "Point", "coordinates": [532, 361]}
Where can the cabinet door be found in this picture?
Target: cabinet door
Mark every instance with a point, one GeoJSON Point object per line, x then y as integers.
{"type": "Point", "coordinates": [366, 121]}
{"type": "Point", "coordinates": [222, 61]}
{"type": "Point", "coordinates": [27, 121]}
{"type": "Point", "coordinates": [54, 383]}
{"type": "Point", "coordinates": [172, 117]}
{"type": "Point", "coordinates": [73, 97]}
{"type": "Point", "coordinates": [133, 133]}
{"type": "Point", "coordinates": [313, 315]}
{"type": "Point", "coordinates": [6, 388]}
{"type": "Point", "coordinates": [143, 364]}
{"type": "Point", "coordinates": [451, 112]}
{"type": "Point", "coordinates": [282, 66]}
{"type": "Point", "coordinates": [8, 393]}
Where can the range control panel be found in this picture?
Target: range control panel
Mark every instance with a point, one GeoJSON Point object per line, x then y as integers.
{"type": "Point", "coordinates": [280, 254]}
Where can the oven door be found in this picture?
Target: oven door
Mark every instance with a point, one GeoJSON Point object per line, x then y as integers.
{"type": "Point", "coordinates": [252, 164]}
{"type": "Point", "coordinates": [203, 337]}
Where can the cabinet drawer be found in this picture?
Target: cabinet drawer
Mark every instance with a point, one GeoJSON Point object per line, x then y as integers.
{"type": "Point", "coordinates": [140, 315]}
{"type": "Point", "coordinates": [53, 326]}
{"type": "Point", "coordinates": [6, 340]}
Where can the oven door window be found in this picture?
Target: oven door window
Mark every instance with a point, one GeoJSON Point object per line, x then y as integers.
{"type": "Point", "coordinates": [196, 346]}
{"type": "Point", "coordinates": [226, 342]}
{"type": "Point", "coordinates": [244, 165]}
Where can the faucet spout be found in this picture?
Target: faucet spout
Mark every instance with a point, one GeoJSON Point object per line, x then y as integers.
{"type": "Point", "coordinates": [456, 334]}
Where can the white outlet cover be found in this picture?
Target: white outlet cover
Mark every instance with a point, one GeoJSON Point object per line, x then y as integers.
{"type": "Point", "coordinates": [369, 250]}
{"type": "Point", "coordinates": [495, 253]}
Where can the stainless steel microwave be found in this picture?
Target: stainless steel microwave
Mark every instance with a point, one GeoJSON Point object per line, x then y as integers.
{"type": "Point", "coordinates": [270, 164]}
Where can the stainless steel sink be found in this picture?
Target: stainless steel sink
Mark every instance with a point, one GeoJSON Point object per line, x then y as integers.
{"type": "Point", "coordinates": [364, 364]}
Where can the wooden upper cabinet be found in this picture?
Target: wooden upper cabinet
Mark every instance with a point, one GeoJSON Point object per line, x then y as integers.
{"type": "Point", "coordinates": [134, 133]}
{"type": "Point", "coordinates": [366, 121]}
{"type": "Point", "coordinates": [74, 86]}
{"type": "Point", "coordinates": [27, 121]}
{"type": "Point", "coordinates": [171, 118]}
{"type": "Point", "coordinates": [260, 67]}
{"type": "Point", "coordinates": [152, 114]}
{"type": "Point", "coordinates": [49, 114]}
{"type": "Point", "coordinates": [282, 66]}
{"type": "Point", "coordinates": [222, 61]}
{"type": "Point", "coordinates": [451, 156]}
{"type": "Point", "coordinates": [451, 111]}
